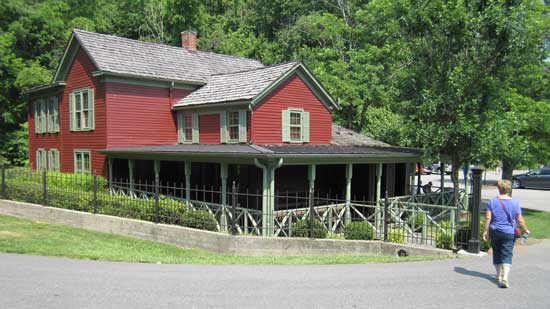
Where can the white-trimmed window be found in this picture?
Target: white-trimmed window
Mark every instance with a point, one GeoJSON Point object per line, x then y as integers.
{"type": "Point", "coordinates": [53, 160]}
{"type": "Point", "coordinates": [41, 159]}
{"type": "Point", "coordinates": [295, 123]}
{"type": "Point", "coordinates": [82, 110]}
{"type": "Point", "coordinates": [82, 161]}
{"type": "Point", "coordinates": [40, 111]}
{"type": "Point", "coordinates": [188, 127]}
{"type": "Point", "coordinates": [53, 114]}
{"type": "Point", "coordinates": [233, 126]}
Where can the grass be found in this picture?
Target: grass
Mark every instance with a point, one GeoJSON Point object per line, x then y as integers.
{"type": "Point", "coordinates": [538, 223]}
{"type": "Point", "coordinates": [24, 236]}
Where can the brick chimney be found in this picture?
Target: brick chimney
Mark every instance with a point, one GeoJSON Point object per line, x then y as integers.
{"type": "Point", "coordinates": [189, 39]}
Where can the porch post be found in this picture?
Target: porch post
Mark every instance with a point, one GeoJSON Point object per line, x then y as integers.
{"type": "Point", "coordinates": [349, 175]}
{"type": "Point", "coordinates": [268, 194]}
{"type": "Point", "coordinates": [378, 210]}
{"type": "Point", "coordinates": [442, 180]}
{"type": "Point", "coordinates": [187, 180]}
{"type": "Point", "coordinates": [110, 164]}
{"type": "Point", "coordinates": [131, 175]}
{"type": "Point", "coordinates": [265, 200]}
{"type": "Point", "coordinates": [271, 198]}
{"type": "Point", "coordinates": [223, 176]}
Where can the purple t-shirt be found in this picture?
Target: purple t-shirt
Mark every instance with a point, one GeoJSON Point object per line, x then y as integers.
{"type": "Point", "coordinates": [499, 219]}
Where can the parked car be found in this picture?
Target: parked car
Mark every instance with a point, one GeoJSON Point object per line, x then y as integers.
{"type": "Point", "coordinates": [435, 168]}
{"type": "Point", "coordinates": [539, 178]}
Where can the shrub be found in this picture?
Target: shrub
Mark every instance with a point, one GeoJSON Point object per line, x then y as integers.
{"type": "Point", "coordinates": [301, 229]}
{"type": "Point", "coordinates": [199, 219]}
{"type": "Point", "coordinates": [445, 238]}
{"type": "Point", "coordinates": [360, 230]}
{"type": "Point", "coordinates": [485, 244]}
{"type": "Point", "coordinates": [396, 235]}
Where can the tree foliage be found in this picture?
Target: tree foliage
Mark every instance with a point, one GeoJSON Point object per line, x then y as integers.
{"type": "Point", "coordinates": [466, 79]}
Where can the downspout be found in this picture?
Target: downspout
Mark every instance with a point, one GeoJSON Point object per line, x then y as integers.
{"type": "Point", "coordinates": [171, 93]}
{"type": "Point", "coordinates": [250, 141]}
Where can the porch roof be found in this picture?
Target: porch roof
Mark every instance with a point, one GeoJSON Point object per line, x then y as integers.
{"type": "Point", "coordinates": [293, 154]}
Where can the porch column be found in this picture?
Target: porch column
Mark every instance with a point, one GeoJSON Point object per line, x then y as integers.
{"type": "Point", "coordinates": [223, 176]}
{"type": "Point", "coordinates": [268, 194]}
{"type": "Point", "coordinates": [412, 169]}
{"type": "Point", "coordinates": [187, 180]}
{"type": "Point", "coordinates": [378, 210]}
{"type": "Point", "coordinates": [131, 176]}
{"type": "Point", "coordinates": [110, 164]}
{"type": "Point", "coordinates": [442, 180]}
{"type": "Point", "coordinates": [349, 175]}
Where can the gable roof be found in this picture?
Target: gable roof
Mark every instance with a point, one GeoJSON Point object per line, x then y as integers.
{"type": "Point", "coordinates": [121, 56]}
{"type": "Point", "coordinates": [252, 85]}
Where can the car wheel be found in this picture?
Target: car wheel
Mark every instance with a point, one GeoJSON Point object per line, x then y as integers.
{"type": "Point", "coordinates": [516, 184]}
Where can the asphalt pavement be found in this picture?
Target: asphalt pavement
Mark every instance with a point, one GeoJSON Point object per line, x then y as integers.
{"type": "Point", "coordinates": [48, 282]}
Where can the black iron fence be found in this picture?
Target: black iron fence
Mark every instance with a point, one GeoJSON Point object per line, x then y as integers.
{"type": "Point", "coordinates": [237, 211]}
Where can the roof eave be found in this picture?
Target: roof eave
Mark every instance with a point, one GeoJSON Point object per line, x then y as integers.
{"type": "Point", "coordinates": [245, 102]}
{"type": "Point", "coordinates": [148, 77]}
{"type": "Point", "coordinates": [43, 87]}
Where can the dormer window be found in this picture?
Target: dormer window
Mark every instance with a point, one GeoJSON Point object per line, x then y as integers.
{"type": "Point", "coordinates": [233, 126]}
{"type": "Point", "coordinates": [295, 126]}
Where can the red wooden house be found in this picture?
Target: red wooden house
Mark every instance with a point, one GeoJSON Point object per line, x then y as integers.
{"type": "Point", "coordinates": [126, 108]}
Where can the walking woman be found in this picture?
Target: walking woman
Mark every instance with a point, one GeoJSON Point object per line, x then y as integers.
{"type": "Point", "coordinates": [503, 215]}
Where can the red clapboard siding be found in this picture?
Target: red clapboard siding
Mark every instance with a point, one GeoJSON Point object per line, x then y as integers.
{"type": "Point", "coordinates": [267, 115]}
{"type": "Point", "coordinates": [209, 129]}
{"type": "Point", "coordinates": [80, 76]}
{"type": "Point", "coordinates": [140, 115]}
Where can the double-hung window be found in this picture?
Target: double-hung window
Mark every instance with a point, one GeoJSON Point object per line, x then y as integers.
{"type": "Point", "coordinates": [188, 131]}
{"type": "Point", "coordinates": [295, 124]}
{"type": "Point", "coordinates": [53, 160]}
{"type": "Point", "coordinates": [82, 161]}
{"type": "Point", "coordinates": [233, 126]}
{"type": "Point", "coordinates": [82, 110]}
{"type": "Point", "coordinates": [41, 159]}
{"type": "Point", "coordinates": [53, 115]}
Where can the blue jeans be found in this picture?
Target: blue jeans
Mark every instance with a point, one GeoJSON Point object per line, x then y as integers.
{"type": "Point", "coordinates": [503, 247]}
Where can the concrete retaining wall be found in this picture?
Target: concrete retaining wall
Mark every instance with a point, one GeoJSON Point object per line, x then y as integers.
{"type": "Point", "coordinates": [211, 241]}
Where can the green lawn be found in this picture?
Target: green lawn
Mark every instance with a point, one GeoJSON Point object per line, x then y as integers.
{"type": "Point", "coordinates": [24, 236]}
{"type": "Point", "coordinates": [538, 223]}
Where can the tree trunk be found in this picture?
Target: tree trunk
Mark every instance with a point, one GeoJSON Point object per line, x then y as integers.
{"type": "Point", "coordinates": [507, 169]}
{"type": "Point", "coordinates": [363, 120]}
{"type": "Point", "coordinates": [454, 178]}
{"type": "Point", "coordinates": [349, 118]}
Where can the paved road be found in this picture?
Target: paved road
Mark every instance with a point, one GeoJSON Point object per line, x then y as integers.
{"type": "Point", "coordinates": [45, 282]}
{"type": "Point", "coordinates": [529, 198]}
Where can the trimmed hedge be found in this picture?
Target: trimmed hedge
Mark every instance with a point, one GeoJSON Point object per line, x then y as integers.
{"type": "Point", "coordinates": [360, 230]}
{"type": "Point", "coordinates": [63, 193]}
{"type": "Point", "coordinates": [301, 229]}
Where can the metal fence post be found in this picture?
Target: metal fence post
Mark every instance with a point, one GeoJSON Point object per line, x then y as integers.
{"type": "Point", "coordinates": [3, 186]}
{"type": "Point", "coordinates": [157, 199]}
{"type": "Point", "coordinates": [233, 209]}
{"type": "Point", "coordinates": [386, 216]}
{"type": "Point", "coordinates": [474, 244]}
{"type": "Point", "coordinates": [311, 216]}
{"type": "Point", "coordinates": [44, 188]}
{"type": "Point", "coordinates": [424, 227]}
{"type": "Point", "coordinates": [94, 196]}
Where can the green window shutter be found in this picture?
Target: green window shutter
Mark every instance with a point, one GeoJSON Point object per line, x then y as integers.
{"type": "Point", "coordinates": [195, 125]}
{"type": "Point", "coordinates": [242, 126]}
{"type": "Point", "coordinates": [56, 115]}
{"type": "Point", "coordinates": [180, 127]}
{"type": "Point", "coordinates": [286, 126]}
{"type": "Point", "coordinates": [36, 107]}
{"type": "Point", "coordinates": [50, 160]}
{"type": "Point", "coordinates": [38, 160]}
{"type": "Point", "coordinates": [223, 127]}
{"type": "Point", "coordinates": [43, 113]}
{"type": "Point", "coordinates": [71, 112]}
{"type": "Point", "coordinates": [91, 100]}
{"type": "Point", "coordinates": [57, 167]}
{"type": "Point", "coordinates": [305, 127]}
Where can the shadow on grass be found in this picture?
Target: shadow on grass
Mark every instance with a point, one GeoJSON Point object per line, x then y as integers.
{"type": "Point", "coordinates": [473, 273]}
